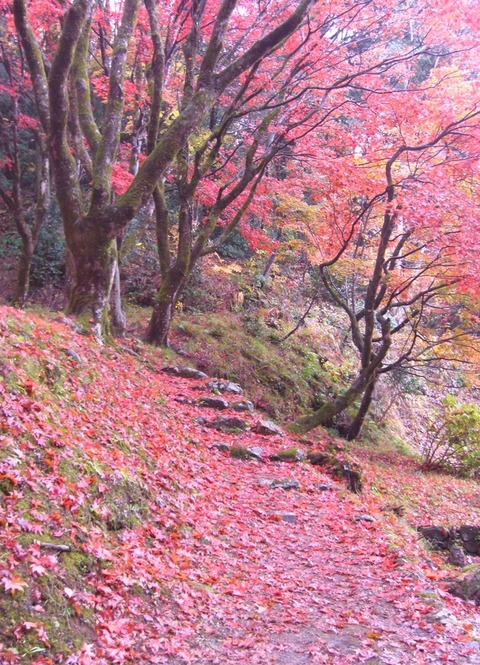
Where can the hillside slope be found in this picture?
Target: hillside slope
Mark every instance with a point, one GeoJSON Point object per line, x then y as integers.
{"type": "Point", "coordinates": [129, 536]}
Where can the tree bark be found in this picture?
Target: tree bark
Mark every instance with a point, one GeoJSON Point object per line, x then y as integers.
{"type": "Point", "coordinates": [325, 413]}
{"type": "Point", "coordinates": [23, 274]}
{"type": "Point", "coordinates": [28, 233]}
{"type": "Point", "coordinates": [117, 315]}
{"type": "Point", "coordinates": [166, 299]}
{"type": "Point", "coordinates": [365, 378]}
{"type": "Point", "coordinates": [357, 423]}
{"type": "Point", "coordinates": [93, 262]}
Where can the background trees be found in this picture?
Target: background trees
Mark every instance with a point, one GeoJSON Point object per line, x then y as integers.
{"type": "Point", "coordinates": [25, 166]}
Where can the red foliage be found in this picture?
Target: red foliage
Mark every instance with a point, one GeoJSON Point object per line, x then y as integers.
{"type": "Point", "coordinates": [210, 573]}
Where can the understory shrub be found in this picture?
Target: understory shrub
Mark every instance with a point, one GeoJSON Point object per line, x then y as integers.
{"type": "Point", "coordinates": [452, 441]}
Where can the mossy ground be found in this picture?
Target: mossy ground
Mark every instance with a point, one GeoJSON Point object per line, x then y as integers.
{"type": "Point", "coordinates": [53, 494]}
{"type": "Point", "coordinates": [284, 378]}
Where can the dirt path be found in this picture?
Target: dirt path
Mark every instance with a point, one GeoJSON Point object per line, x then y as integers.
{"type": "Point", "coordinates": [300, 577]}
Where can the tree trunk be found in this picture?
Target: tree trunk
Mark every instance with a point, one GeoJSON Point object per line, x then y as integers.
{"type": "Point", "coordinates": [272, 257]}
{"type": "Point", "coordinates": [269, 265]}
{"type": "Point", "coordinates": [93, 266]}
{"type": "Point", "coordinates": [357, 424]}
{"type": "Point", "coordinates": [166, 299]}
{"type": "Point", "coordinates": [23, 275]}
{"type": "Point", "coordinates": [117, 315]}
{"type": "Point", "coordinates": [326, 412]}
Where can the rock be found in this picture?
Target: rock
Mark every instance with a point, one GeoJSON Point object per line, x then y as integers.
{"type": "Point", "coordinates": [441, 616]}
{"type": "Point", "coordinates": [182, 399]}
{"type": "Point", "coordinates": [184, 372]}
{"type": "Point", "coordinates": [469, 537]}
{"type": "Point", "coordinates": [218, 386]}
{"type": "Point", "coordinates": [73, 355]}
{"type": "Point", "coordinates": [465, 537]}
{"type": "Point", "coordinates": [456, 557]}
{"type": "Point", "coordinates": [339, 467]}
{"type": "Point", "coordinates": [467, 584]}
{"type": "Point", "coordinates": [191, 373]}
{"type": "Point", "coordinates": [324, 488]}
{"type": "Point", "coordinates": [225, 424]}
{"type": "Point", "coordinates": [290, 455]}
{"type": "Point", "coordinates": [351, 473]}
{"type": "Point", "coordinates": [285, 484]}
{"type": "Point", "coordinates": [306, 442]}
{"type": "Point", "coordinates": [244, 406]}
{"type": "Point", "coordinates": [438, 537]}
{"type": "Point", "coordinates": [171, 369]}
{"type": "Point", "coordinates": [267, 428]}
{"type": "Point", "coordinates": [264, 482]}
{"type": "Point", "coordinates": [224, 447]}
{"type": "Point", "coordinates": [364, 518]}
{"type": "Point", "coordinates": [397, 510]}
{"type": "Point", "coordinates": [239, 452]}
{"type": "Point", "coordinates": [131, 352]}
{"type": "Point", "coordinates": [214, 403]}
{"type": "Point", "coordinates": [317, 458]}
{"type": "Point", "coordinates": [200, 421]}
{"type": "Point", "coordinates": [255, 452]}
{"type": "Point", "coordinates": [287, 517]}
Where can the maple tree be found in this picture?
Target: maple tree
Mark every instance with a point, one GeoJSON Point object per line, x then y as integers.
{"type": "Point", "coordinates": [153, 99]}
{"type": "Point", "coordinates": [62, 87]}
{"type": "Point", "coordinates": [402, 265]}
{"type": "Point", "coordinates": [281, 114]}
{"type": "Point", "coordinates": [312, 127]}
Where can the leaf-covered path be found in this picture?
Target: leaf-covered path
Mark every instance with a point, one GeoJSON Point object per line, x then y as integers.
{"type": "Point", "coordinates": [178, 552]}
{"type": "Point", "coordinates": [327, 588]}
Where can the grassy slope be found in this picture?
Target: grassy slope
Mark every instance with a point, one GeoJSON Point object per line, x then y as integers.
{"type": "Point", "coordinates": [282, 377]}
{"type": "Point", "coordinates": [174, 552]}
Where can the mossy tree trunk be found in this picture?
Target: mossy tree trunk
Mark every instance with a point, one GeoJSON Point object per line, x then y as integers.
{"type": "Point", "coordinates": [356, 425]}
{"type": "Point", "coordinates": [29, 233]}
{"type": "Point", "coordinates": [23, 273]}
{"type": "Point", "coordinates": [118, 318]}
{"type": "Point", "coordinates": [176, 273]}
{"type": "Point", "coordinates": [163, 310]}
{"type": "Point", "coordinates": [326, 412]}
{"type": "Point", "coordinates": [94, 261]}
{"type": "Point", "coordinates": [196, 223]}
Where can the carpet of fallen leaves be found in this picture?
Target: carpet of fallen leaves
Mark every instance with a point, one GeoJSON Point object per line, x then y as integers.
{"type": "Point", "coordinates": [185, 556]}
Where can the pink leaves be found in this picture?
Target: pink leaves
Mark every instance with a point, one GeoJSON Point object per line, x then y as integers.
{"type": "Point", "coordinates": [207, 572]}
{"type": "Point", "coordinates": [40, 564]}
{"type": "Point", "coordinates": [39, 629]}
{"type": "Point", "coordinates": [13, 584]}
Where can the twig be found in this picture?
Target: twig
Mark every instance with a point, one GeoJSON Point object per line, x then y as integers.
{"type": "Point", "coordinates": [54, 546]}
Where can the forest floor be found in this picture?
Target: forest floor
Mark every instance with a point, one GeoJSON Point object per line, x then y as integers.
{"type": "Point", "coordinates": [128, 536]}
